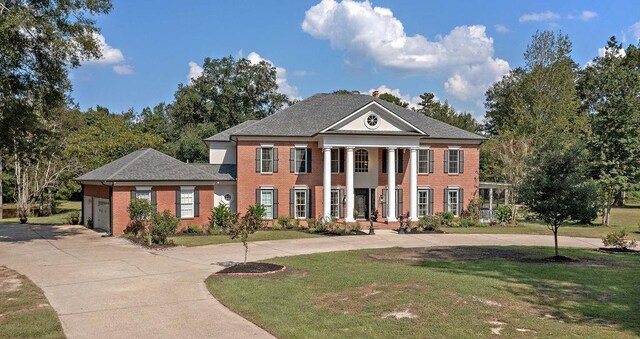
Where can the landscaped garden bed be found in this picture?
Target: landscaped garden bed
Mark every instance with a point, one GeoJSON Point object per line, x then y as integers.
{"type": "Point", "coordinates": [252, 269]}
{"type": "Point", "coordinates": [442, 292]}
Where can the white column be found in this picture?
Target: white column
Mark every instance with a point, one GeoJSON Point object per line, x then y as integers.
{"type": "Point", "coordinates": [391, 172]}
{"type": "Point", "coordinates": [348, 214]}
{"type": "Point", "coordinates": [413, 184]}
{"type": "Point", "coordinates": [326, 185]}
{"type": "Point", "coordinates": [490, 203]}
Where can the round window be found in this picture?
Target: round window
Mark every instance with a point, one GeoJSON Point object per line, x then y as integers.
{"type": "Point", "coordinates": [227, 197]}
{"type": "Point", "coordinates": [372, 121]}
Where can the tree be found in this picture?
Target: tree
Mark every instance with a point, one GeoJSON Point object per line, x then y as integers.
{"type": "Point", "coordinates": [227, 93]}
{"type": "Point", "coordinates": [247, 225]}
{"type": "Point", "coordinates": [39, 41]}
{"type": "Point", "coordinates": [190, 147]}
{"type": "Point", "coordinates": [539, 101]}
{"type": "Point", "coordinates": [610, 90]}
{"type": "Point", "coordinates": [554, 187]}
{"type": "Point", "coordinates": [156, 121]}
{"type": "Point", "coordinates": [444, 112]}
{"type": "Point", "coordinates": [394, 99]}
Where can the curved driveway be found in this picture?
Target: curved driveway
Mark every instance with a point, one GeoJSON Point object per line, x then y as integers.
{"type": "Point", "coordinates": [105, 287]}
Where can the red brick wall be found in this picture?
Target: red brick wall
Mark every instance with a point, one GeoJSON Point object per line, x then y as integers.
{"type": "Point", "coordinates": [248, 180]}
{"type": "Point", "coordinates": [99, 191]}
{"type": "Point", "coordinates": [166, 199]}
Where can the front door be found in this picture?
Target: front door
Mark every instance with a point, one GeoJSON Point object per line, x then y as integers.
{"type": "Point", "coordinates": [361, 203]}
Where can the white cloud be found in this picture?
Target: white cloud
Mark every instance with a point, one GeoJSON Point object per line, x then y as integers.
{"type": "Point", "coordinates": [195, 71]}
{"type": "Point", "coordinates": [634, 30]}
{"type": "Point", "coordinates": [584, 16]}
{"type": "Point", "coordinates": [500, 28]}
{"type": "Point", "coordinates": [620, 53]}
{"type": "Point", "coordinates": [110, 55]}
{"type": "Point", "coordinates": [413, 101]}
{"type": "Point", "coordinates": [123, 69]}
{"type": "Point", "coordinates": [367, 32]}
{"type": "Point", "coordinates": [541, 16]}
{"type": "Point", "coordinates": [281, 77]}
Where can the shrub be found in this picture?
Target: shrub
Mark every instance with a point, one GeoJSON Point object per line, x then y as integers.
{"type": "Point", "coordinates": [503, 214]}
{"type": "Point", "coordinates": [222, 218]}
{"type": "Point", "coordinates": [589, 201]}
{"type": "Point", "coordinates": [276, 226]}
{"type": "Point", "coordinates": [445, 218]}
{"type": "Point", "coordinates": [428, 223]}
{"type": "Point", "coordinates": [467, 222]}
{"type": "Point", "coordinates": [194, 229]}
{"type": "Point", "coordinates": [617, 239]}
{"type": "Point", "coordinates": [295, 224]}
{"type": "Point", "coordinates": [140, 211]}
{"type": "Point", "coordinates": [284, 221]}
{"type": "Point", "coordinates": [162, 226]}
{"type": "Point", "coordinates": [311, 222]}
{"type": "Point", "coordinates": [473, 211]}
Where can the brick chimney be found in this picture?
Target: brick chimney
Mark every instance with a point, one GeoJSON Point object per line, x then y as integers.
{"type": "Point", "coordinates": [375, 93]}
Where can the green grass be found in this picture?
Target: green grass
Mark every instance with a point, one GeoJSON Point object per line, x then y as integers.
{"type": "Point", "coordinates": [625, 218]}
{"type": "Point", "coordinates": [25, 311]}
{"type": "Point", "coordinates": [223, 239]}
{"type": "Point", "coordinates": [346, 294]}
{"type": "Point", "coordinates": [65, 209]}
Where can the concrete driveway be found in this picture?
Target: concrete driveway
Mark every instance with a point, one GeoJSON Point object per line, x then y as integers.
{"type": "Point", "coordinates": [105, 287]}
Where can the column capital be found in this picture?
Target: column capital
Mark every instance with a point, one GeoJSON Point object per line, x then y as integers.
{"type": "Point", "coordinates": [350, 147]}
{"type": "Point", "coordinates": [327, 147]}
{"type": "Point", "coordinates": [414, 148]}
{"type": "Point", "coordinates": [392, 148]}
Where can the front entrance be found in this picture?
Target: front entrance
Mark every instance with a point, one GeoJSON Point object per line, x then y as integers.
{"type": "Point", "coordinates": [361, 205]}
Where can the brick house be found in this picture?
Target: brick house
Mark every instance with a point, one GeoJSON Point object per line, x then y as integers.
{"type": "Point", "coordinates": [331, 155]}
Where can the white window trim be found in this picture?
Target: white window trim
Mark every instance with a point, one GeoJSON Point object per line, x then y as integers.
{"type": "Point", "coordinates": [455, 211]}
{"type": "Point", "coordinates": [261, 160]}
{"type": "Point", "coordinates": [300, 146]}
{"type": "Point", "coordinates": [454, 147]}
{"type": "Point", "coordinates": [185, 190]}
{"type": "Point", "coordinates": [336, 191]}
{"type": "Point", "coordinates": [270, 190]}
{"type": "Point", "coordinates": [457, 149]}
{"type": "Point", "coordinates": [418, 160]}
{"type": "Point", "coordinates": [427, 203]}
{"type": "Point", "coordinates": [335, 160]}
{"type": "Point", "coordinates": [144, 190]}
{"type": "Point", "coordinates": [295, 203]}
{"type": "Point", "coordinates": [355, 160]}
{"type": "Point", "coordinates": [295, 160]}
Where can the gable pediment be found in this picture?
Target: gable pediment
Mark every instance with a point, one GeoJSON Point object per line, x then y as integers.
{"type": "Point", "coordinates": [372, 118]}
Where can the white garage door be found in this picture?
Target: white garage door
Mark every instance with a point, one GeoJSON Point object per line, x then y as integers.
{"type": "Point", "coordinates": [88, 209]}
{"type": "Point", "coordinates": [102, 214]}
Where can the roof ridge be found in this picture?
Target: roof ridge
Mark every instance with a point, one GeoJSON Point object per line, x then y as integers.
{"type": "Point", "coordinates": [130, 162]}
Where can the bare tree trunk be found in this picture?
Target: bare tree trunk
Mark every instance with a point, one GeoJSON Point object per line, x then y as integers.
{"type": "Point", "coordinates": [619, 199]}
{"type": "Point", "coordinates": [1, 176]}
{"type": "Point", "coordinates": [555, 239]}
{"type": "Point", "coordinates": [606, 216]}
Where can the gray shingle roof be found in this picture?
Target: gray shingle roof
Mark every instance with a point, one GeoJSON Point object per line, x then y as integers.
{"type": "Point", "coordinates": [312, 115]}
{"type": "Point", "coordinates": [224, 135]}
{"type": "Point", "coordinates": [150, 165]}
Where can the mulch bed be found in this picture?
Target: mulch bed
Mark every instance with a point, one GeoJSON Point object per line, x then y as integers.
{"type": "Point", "coordinates": [617, 250]}
{"type": "Point", "coordinates": [252, 268]}
{"type": "Point", "coordinates": [415, 231]}
{"type": "Point", "coordinates": [143, 243]}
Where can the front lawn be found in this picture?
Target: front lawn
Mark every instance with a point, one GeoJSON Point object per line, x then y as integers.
{"type": "Point", "coordinates": [624, 218]}
{"type": "Point", "coordinates": [200, 240]}
{"type": "Point", "coordinates": [65, 209]}
{"type": "Point", "coordinates": [24, 310]}
{"type": "Point", "coordinates": [442, 292]}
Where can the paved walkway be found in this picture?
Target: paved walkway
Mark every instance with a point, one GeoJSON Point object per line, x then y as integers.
{"type": "Point", "coordinates": [105, 287]}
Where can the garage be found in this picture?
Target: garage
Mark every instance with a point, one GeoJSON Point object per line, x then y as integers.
{"type": "Point", "coordinates": [102, 214]}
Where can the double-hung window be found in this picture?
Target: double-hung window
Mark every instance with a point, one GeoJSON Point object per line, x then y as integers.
{"type": "Point", "coordinates": [425, 202]}
{"type": "Point", "coordinates": [454, 161]}
{"type": "Point", "coordinates": [266, 200]}
{"type": "Point", "coordinates": [301, 160]}
{"type": "Point", "coordinates": [337, 160]}
{"type": "Point", "coordinates": [453, 200]}
{"type": "Point", "coordinates": [425, 161]}
{"type": "Point", "coordinates": [266, 160]}
{"type": "Point", "coordinates": [300, 204]}
{"type": "Point", "coordinates": [187, 203]}
{"type": "Point", "coordinates": [143, 194]}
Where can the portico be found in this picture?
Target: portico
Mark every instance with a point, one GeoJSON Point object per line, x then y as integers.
{"type": "Point", "coordinates": [369, 146]}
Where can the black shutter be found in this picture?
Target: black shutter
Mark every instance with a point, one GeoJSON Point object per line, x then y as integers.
{"type": "Point", "coordinates": [196, 202]}
{"type": "Point", "coordinates": [292, 206]}
{"type": "Point", "coordinates": [460, 201]}
{"type": "Point", "coordinates": [154, 200]}
{"type": "Point", "coordinates": [444, 201]}
{"type": "Point", "coordinates": [309, 159]}
{"type": "Point", "coordinates": [258, 197]}
{"type": "Point", "coordinates": [292, 160]}
{"type": "Point", "coordinates": [309, 204]}
{"type": "Point", "coordinates": [446, 161]}
{"type": "Point", "coordinates": [274, 200]}
{"type": "Point", "coordinates": [341, 203]}
{"type": "Point", "coordinates": [400, 160]}
{"type": "Point", "coordinates": [275, 159]}
{"type": "Point", "coordinates": [430, 201]}
{"type": "Point", "coordinates": [341, 165]}
{"type": "Point", "coordinates": [399, 202]}
{"type": "Point", "coordinates": [385, 196]}
{"type": "Point", "coordinates": [133, 195]}
{"type": "Point", "coordinates": [258, 167]}
{"type": "Point", "coordinates": [430, 160]}
{"type": "Point", "coordinates": [384, 161]}
{"type": "Point", "coordinates": [178, 202]}
{"type": "Point", "coordinates": [461, 161]}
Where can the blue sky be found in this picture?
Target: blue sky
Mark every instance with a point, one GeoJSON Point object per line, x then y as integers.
{"type": "Point", "coordinates": [455, 49]}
